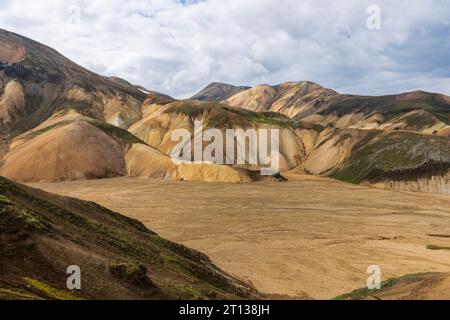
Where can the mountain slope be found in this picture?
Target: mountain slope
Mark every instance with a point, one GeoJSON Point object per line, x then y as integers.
{"type": "Point", "coordinates": [290, 99]}
{"type": "Point", "coordinates": [43, 234]}
{"type": "Point", "coordinates": [44, 81]}
{"type": "Point", "coordinates": [58, 121]}
{"type": "Point", "coordinates": [306, 101]}
{"type": "Point", "coordinates": [217, 91]}
{"type": "Point", "coordinates": [161, 119]}
{"type": "Point", "coordinates": [70, 146]}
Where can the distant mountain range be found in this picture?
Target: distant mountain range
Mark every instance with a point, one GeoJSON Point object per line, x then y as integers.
{"type": "Point", "coordinates": [59, 121]}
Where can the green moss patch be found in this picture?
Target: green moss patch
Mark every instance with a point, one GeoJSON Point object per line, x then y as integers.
{"type": "Point", "coordinates": [14, 294]}
{"type": "Point", "coordinates": [224, 116]}
{"type": "Point", "coordinates": [420, 120]}
{"type": "Point", "coordinates": [82, 107]}
{"type": "Point", "coordinates": [39, 132]}
{"type": "Point", "coordinates": [50, 291]}
{"type": "Point", "coordinates": [390, 106]}
{"type": "Point", "coordinates": [121, 134]}
{"type": "Point", "coordinates": [15, 219]}
{"type": "Point", "coordinates": [365, 293]}
{"type": "Point", "coordinates": [111, 130]}
{"type": "Point", "coordinates": [398, 156]}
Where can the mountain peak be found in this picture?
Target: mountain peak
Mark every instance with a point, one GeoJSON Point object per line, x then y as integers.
{"type": "Point", "coordinates": [218, 91]}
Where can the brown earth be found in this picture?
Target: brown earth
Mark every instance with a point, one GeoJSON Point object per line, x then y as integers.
{"type": "Point", "coordinates": [311, 237]}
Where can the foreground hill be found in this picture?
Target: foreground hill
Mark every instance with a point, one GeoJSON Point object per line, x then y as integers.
{"type": "Point", "coordinates": [41, 235]}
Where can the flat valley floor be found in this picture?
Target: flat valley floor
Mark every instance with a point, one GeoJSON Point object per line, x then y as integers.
{"type": "Point", "coordinates": [310, 238]}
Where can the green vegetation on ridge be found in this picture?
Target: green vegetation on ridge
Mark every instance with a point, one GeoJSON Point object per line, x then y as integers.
{"type": "Point", "coordinates": [219, 115]}
{"type": "Point", "coordinates": [397, 156]}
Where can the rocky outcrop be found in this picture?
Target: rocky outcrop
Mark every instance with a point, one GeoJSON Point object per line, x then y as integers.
{"type": "Point", "coordinates": [12, 104]}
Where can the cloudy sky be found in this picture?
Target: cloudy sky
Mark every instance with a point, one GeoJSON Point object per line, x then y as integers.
{"type": "Point", "coordinates": [177, 47]}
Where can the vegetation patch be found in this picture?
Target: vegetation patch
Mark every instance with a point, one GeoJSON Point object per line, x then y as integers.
{"type": "Point", "coordinates": [365, 293]}
{"type": "Point", "coordinates": [13, 294]}
{"type": "Point", "coordinates": [420, 120]}
{"type": "Point", "coordinates": [112, 130]}
{"type": "Point", "coordinates": [220, 115]}
{"type": "Point", "coordinates": [4, 200]}
{"type": "Point", "coordinates": [390, 106]}
{"type": "Point", "coordinates": [82, 107]}
{"type": "Point", "coordinates": [399, 156]}
{"type": "Point", "coordinates": [50, 291]}
{"type": "Point", "coordinates": [443, 116]}
{"type": "Point", "coordinates": [39, 132]}
{"type": "Point", "coordinates": [15, 219]}
{"type": "Point", "coordinates": [189, 293]}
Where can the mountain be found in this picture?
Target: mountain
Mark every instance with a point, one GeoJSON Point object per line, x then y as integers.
{"type": "Point", "coordinates": [308, 101]}
{"type": "Point", "coordinates": [396, 141]}
{"type": "Point", "coordinates": [36, 81]}
{"type": "Point", "coordinates": [161, 119]}
{"type": "Point", "coordinates": [70, 146]}
{"type": "Point", "coordinates": [42, 234]}
{"type": "Point", "coordinates": [290, 99]}
{"type": "Point", "coordinates": [59, 121]}
{"type": "Point", "coordinates": [217, 91]}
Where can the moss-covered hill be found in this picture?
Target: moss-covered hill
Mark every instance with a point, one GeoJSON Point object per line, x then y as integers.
{"type": "Point", "coordinates": [398, 156]}
{"type": "Point", "coordinates": [41, 235]}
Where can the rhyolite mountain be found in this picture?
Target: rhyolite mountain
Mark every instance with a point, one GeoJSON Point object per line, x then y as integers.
{"type": "Point", "coordinates": [59, 121]}
{"type": "Point", "coordinates": [395, 141]}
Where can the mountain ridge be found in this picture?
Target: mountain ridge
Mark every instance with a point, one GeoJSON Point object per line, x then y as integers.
{"type": "Point", "coordinates": [46, 97]}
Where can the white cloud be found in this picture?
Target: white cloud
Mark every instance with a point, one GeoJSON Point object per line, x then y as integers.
{"type": "Point", "coordinates": [177, 47]}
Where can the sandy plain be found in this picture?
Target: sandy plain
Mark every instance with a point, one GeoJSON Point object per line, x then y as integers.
{"type": "Point", "coordinates": [306, 238]}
